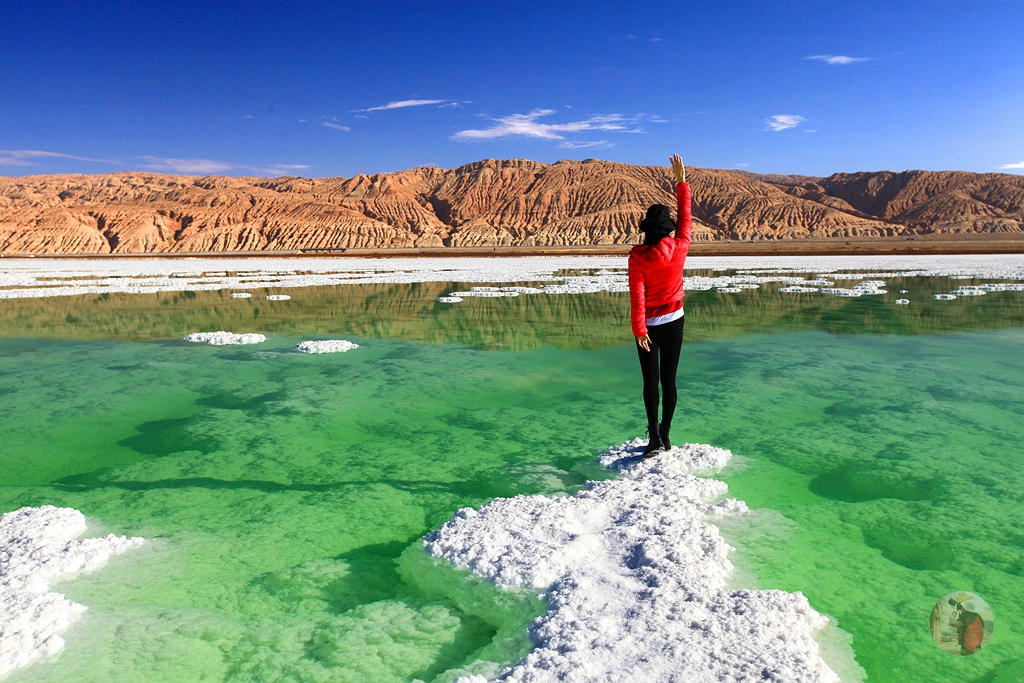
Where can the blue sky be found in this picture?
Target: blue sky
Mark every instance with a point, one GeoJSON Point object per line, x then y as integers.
{"type": "Point", "coordinates": [324, 89]}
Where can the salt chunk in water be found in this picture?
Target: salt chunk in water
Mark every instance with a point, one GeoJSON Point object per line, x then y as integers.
{"type": "Point", "coordinates": [225, 338]}
{"type": "Point", "coordinates": [326, 346]}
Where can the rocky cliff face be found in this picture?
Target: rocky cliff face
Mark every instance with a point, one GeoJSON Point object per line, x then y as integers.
{"type": "Point", "coordinates": [488, 203]}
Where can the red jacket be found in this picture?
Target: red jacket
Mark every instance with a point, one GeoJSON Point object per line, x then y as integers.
{"type": "Point", "coordinates": [656, 271]}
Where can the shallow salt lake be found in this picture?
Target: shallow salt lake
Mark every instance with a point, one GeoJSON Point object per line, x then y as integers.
{"type": "Point", "coordinates": [879, 444]}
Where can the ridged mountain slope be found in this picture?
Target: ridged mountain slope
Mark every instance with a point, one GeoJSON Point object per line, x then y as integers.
{"type": "Point", "coordinates": [510, 202]}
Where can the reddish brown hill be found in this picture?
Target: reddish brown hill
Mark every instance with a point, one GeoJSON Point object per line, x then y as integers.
{"type": "Point", "coordinates": [511, 202]}
{"type": "Point", "coordinates": [926, 201]}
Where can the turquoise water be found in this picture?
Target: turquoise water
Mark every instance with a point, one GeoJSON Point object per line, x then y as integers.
{"type": "Point", "coordinates": [286, 492]}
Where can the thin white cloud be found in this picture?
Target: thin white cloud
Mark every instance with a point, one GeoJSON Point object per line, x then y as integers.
{"type": "Point", "coordinates": [839, 59]}
{"type": "Point", "coordinates": [330, 124]}
{"type": "Point", "coordinates": [402, 104]}
{"type": "Point", "coordinates": [211, 167]}
{"type": "Point", "coordinates": [1007, 167]}
{"type": "Point", "coordinates": [526, 125]}
{"type": "Point", "coordinates": [586, 144]}
{"type": "Point", "coordinates": [783, 121]}
{"type": "Point", "coordinates": [24, 157]}
{"type": "Point", "coordinates": [248, 116]}
{"type": "Point", "coordinates": [187, 166]}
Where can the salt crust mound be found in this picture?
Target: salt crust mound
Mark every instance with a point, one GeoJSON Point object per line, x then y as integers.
{"type": "Point", "coordinates": [37, 545]}
{"type": "Point", "coordinates": [327, 346]}
{"type": "Point", "coordinates": [225, 338]}
{"type": "Point", "coordinates": [635, 577]}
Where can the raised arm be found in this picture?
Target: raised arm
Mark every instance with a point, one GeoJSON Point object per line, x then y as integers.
{"type": "Point", "coordinates": [684, 212]}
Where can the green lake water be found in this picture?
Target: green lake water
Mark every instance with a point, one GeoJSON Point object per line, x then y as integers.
{"type": "Point", "coordinates": [880, 445]}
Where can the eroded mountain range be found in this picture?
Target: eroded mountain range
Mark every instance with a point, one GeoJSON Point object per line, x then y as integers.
{"type": "Point", "coordinates": [513, 202]}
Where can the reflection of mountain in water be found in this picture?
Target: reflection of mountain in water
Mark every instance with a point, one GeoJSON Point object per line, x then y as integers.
{"type": "Point", "coordinates": [410, 311]}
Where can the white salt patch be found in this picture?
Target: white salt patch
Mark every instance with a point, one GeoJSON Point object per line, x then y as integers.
{"type": "Point", "coordinates": [903, 302]}
{"type": "Point", "coordinates": [26, 277]}
{"type": "Point", "coordinates": [278, 297]}
{"type": "Point", "coordinates": [240, 295]}
{"type": "Point", "coordinates": [36, 546]}
{"type": "Point", "coordinates": [326, 346]}
{"type": "Point", "coordinates": [225, 338]}
{"type": "Point", "coordinates": [635, 579]}
{"type": "Point", "coordinates": [449, 299]}
{"type": "Point", "coordinates": [484, 293]}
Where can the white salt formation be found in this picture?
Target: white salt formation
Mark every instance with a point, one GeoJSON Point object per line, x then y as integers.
{"type": "Point", "coordinates": [28, 277]}
{"type": "Point", "coordinates": [635, 577]}
{"type": "Point", "coordinates": [327, 346]}
{"type": "Point", "coordinates": [225, 338]}
{"type": "Point", "coordinates": [37, 545]}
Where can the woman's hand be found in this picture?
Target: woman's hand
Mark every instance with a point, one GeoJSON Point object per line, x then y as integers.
{"type": "Point", "coordinates": [644, 342]}
{"type": "Point", "coordinates": [678, 168]}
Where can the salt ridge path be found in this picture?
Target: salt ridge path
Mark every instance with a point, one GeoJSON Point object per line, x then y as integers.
{"type": "Point", "coordinates": [634, 574]}
{"type": "Point", "coordinates": [37, 545]}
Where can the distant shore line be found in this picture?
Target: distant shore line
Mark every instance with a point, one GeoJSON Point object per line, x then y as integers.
{"type": "Point", "coordinates": [922, 246]}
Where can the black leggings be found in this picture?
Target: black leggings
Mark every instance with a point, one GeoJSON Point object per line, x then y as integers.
{"type": "Point", "coordinates": [666, 342]}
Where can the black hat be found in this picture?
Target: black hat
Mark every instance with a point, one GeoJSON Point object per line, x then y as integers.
{"type": "Point", "coordinates": [658, 222]}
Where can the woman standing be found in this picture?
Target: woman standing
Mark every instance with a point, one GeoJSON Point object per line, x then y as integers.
{"type": "Point", "coordinates": [656, 304]}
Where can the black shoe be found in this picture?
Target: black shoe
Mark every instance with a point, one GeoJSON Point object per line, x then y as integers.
{"type": "Point", "coordinates": [654, 445]}
{"type": "Point", "coordinates": [663, 433]}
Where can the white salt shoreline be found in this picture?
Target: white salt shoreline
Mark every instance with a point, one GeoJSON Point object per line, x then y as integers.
{"type": "Point", "coordinates": [635, 576]}
{"type": "Point", "coordinates": [37, 546]}
{"type": "Point", "coordinates": [32, 278]}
